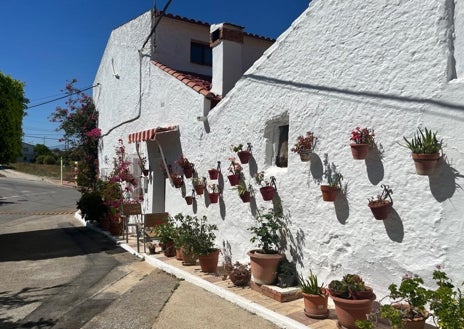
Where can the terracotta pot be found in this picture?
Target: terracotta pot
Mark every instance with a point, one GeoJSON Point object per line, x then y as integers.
{"type": "Point", "coordinates": [208, 263]}
{"type": "Point", "coordinates": [213, 197]}
{"type": "Point", "coordinates": [177, 182]}
{"type": "Point", "coordinates": [240, 279]}
{"type": "Point", "coordinates": [199, 189]}
{"type": "Point", "coordinates": [244, 156]}
{"type": "Point", "coordinates": [245, 196]}
{"type": "Point", "coordinates": [359, 151]}
{"type": "Point", "coordinates": [305, 155]}
{"type": "Point", "coordinates": [415, 323]}
{"type": "Point", "coordinates": [329, 193]}
{"type": "Point", "coordinates": [264, 266]}
{"type": "Point", "coordinates": [179, 254]}
{"type": "Point", "coordinates": [169, 249]}
{"type": "Point", "coordinates": [213, 173]}
{"type": "Point", "coordinates": [188, 172]}
{"type": "Point", "coordinates": [350, 310]}
{"type": "Point", "coordinates": [116, 228]}
{"type": "Point", "coordinates": [189, 199]}
{"type": "Point", "coordinates": [315, 306]}
{"type": "Point", "coordinates": [234, 179]}
{"type": "Point", "coordinates": [425, 163]}
{"type": "Point", "coordinates": [267, 192]}
{"type": "Point", "coordinates": [188, 258]}
{"type": "Point", "coordinates": [380, 211]}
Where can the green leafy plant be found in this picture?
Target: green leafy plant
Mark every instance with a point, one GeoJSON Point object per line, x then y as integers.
{"type": "Point", "coordinates": [424, 142]}
{"type": "Point", "coordinates": [263, 181]}
{"type": "Point", "coordinates": [364, 324]}
{"type": "Point", "coordinates": [91, 205]}
{"type": "Point", "coordinates": [239, 147]}
{"type": "Point", "coordinates": [351, 286]}
{"type": "Point", "coordinates": [194, 234]}
{"type": "Point", "coordinates": [446, 302]}
{"type": "Point", "coordinates": [311, 285]}
{"type": "Point", "coordinates": [267, 230]}
{"type": "Point", "coordinates": [242, 187]}
{"type": "Point", "coordinates": [166, 231]}
{"type": "Point", "coordinates": [330, 173]}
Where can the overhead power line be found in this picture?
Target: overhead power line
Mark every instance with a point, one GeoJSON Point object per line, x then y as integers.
{"type": "Point", "coordinates": [56, 99]}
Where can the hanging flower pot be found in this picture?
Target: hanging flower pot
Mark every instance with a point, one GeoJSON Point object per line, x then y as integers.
{"type": "Point", "coordinates": [189, 199]}
{"type": "Point", "coordinates": [359, 151]}
{"type": "Point", "coordinates": [304, 146]}
{"type": "Point", "coordinates": [177, 181]}
{"type": "Point", "coordinates": [267, 192]}
{"type": "Point", "coordinates": [305, 155]}
{"type": "Point", "coordinates": [244, 156]}
{"type": "Point", "coordinates": [245, 196]}
{"type": "Point", "coordinates": [188, 172]}
{"type": "Point", "coordinates": [213, 173]}
{"type": "Point", "coordinates": [329, 193]}
{"type": "Point", "coordinates": [199, 189]}
{"type": "Point", "coordinates": [234, 179]}
{"type": "Point", "coordinates": [425, 163]}
{"type": "Point", "coordinates": [380, 211]}
{"type": "Point", "coordinates": [213, 197]}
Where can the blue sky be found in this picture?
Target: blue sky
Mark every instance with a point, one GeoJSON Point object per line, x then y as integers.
{"type": "Point", "coordinates": [48, 42]}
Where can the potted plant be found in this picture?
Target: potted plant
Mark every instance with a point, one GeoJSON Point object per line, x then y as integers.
{"type": "Point", "coordinates": [268, 186]}
{"type": "Point", "coordinates": [199, 184]}
{"type": "Point", "coordinates": [186, 165]}
{"type": "Point", "coordinates": [446, 302]}
{"type": "Point", "coordinates": [203, 246]}
{"type": "Point", "coordinates": [407, 303]}
{"type": "Point", "coordinates": [333, 179]}
{"type": "Point", "coordinates": [235, 170]}
{"type": "Point", "coordinates": [186, 237]}
{"type": "Point", "coordinates": [266, 233]}
{"type": "Point", "coordinates": [177, 179]}
{"type": "Point", "coordinates": [352, 299]}
{"type": "Point", "coordinates": [238, 273]}
{"type": "Point", "coordinates": [381, 205]}
{"type": "Point", "coordinates": [286, 273]}
{"type": "Point", "coordinates": [214, 193]}
{"type": "Point", "coordinates": [189, 198]}
{"type": "Point", "coordinates": [425, 148]}
{"type": "Point", "coordinates": [165, 234]}
{"type": "Point", "coordinates": [304, 146]}
{"type": "Point", "coordinates": [214, 172]}
{"type": "Point", "coordinates": [362, 139]}
{"type": "Point", "coordinates": [315, 297]}
{"type": "Point", "coordinates": [243, 154]}
{"type": "Point", "coordinates": [244, 191]}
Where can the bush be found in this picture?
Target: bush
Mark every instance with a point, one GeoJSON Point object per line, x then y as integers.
{"type": "Point", "coordinates": [40, 159]}
{"type": "Point", "coordinates": [91, 206]}
{"type": "Point", "coordinates": [49, 159]}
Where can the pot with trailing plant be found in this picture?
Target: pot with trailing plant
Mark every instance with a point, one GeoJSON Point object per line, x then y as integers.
{"type": "Point", "coordinates": [245, 191]}
{"type": "Point", "coordinates": [165, 233]}
{"type": "Point", "coordinates": [362, 140]}
{"type": "Point", "coordinates": [407, 303]}
{"type": "Point", "coordinates": [267, 186]}
{"type": "Point", "coordinates": [304, 146]}
{"type": "Point", "coordinates": [315, 297]}
{"type": "Point", "coordinates": [238, 273]}
{"type": "Point", "coordinates": [333, 181]}
{"type": "Point", "coordinates": [242, 153]}
{"type": "Point", "coordinates": [381, 205]}
{"type": "Point", "coordinates": [235, 172]}
{"type": "Point", "coordinates": [352, 299]}
{"type": "Point", "coordinates": [199, 184]}
{"type": "Point", "coordinates": [186, 165]}
{"type": "Point", "coordinates": [267, 234]}
{"type": "Point", "coordinates": [214, 172]}
{"type": "Point", "coordinates": [214, 192]}
{"type": "Point", "coordinates": [425, 148]}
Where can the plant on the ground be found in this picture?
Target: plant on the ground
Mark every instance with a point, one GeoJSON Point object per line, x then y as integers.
{"type": "Point", "coordinates": [424, 142]}
{"type": "Point", "coordinates": [304, 143]}
{"type": "Point", "coordinates": [363, 136]}
{"type": "Point", "coordinates": [311, 285]}
{"type": "Point", "coordinates": [267, 230]}
{"type": "Point", "coordinates": [194, 235]}
{"type": "Point", "coordinates": [165, 232]}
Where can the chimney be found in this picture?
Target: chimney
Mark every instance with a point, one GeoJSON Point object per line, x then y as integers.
{"type": "Point", "coordinates": [226, 42]}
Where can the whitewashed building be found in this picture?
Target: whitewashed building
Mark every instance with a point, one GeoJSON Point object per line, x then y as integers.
{"type": "Point", "coordinates": [392, 66]}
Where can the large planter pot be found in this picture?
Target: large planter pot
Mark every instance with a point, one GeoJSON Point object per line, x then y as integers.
{"type": "Point", "coordinates": [350, 310]}
{"type": "Point", "coordinates": [213, 197]}
{"type": "Point", "coordinates": [329, 193]}
{"type": "Point", "coordinates": [213, 173]}
{"type": "Point", "coordinates": [380, 211]}
{"type": "Point", "coordinates": [209, 262]}
{"type": "Point", "coordinates": [425, 163]}
{"type": "Point", "coordinates": [234, 179]}
{"type": "Point", "coordinates": [305, 155]}
{"type": "Point", "coordinates": [188, 258]}
{"type": "Point", "coordinates": [359, 151]}
{"type": "Point", "coordinates": [244, 156]}
{"type": "Point", "coordinates": [267, 193]}
{"type": "Point", "coordinates": [315, 306]}
{"type": "Point", "coordinates": [188, 172]}
{"type": "Point", "coordinates": [245, 196]}
{"type": "Point", "coordinates": [264, 266]}
{"type": "Point", "coordinates": [116, 228]}
{"type": "Point", "coordinates": [179, 254]}
{"type": "Point", "coordinates": [199, 189]}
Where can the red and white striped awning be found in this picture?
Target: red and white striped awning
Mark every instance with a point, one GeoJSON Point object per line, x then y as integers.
{"type": "Point", "coordinates": [149, 134]}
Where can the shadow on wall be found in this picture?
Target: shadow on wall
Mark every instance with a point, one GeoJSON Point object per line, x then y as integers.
{"type": "Point", "coordinates": [394, 226]}
{"type": "Point", "coordinates": [374, 165]}
{"type": "Point", "coordinates": [342, 207]}
{"type": "Point", "coordinates": [443, 182]}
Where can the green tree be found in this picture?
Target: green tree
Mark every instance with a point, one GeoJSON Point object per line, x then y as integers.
{"type": "Point", "coordinates": [79, 123]}
{"type": "Point", "coordinates": [41, 149]}
{"type": "Point", "coordinates": [13, 107]}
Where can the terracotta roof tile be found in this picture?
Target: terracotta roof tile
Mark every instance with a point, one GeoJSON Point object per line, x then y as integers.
{"type": "Point", "coordinates": [201, 84]}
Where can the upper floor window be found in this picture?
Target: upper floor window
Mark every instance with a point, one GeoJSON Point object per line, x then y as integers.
{"type": "Point", "coordinates": [201, 53]}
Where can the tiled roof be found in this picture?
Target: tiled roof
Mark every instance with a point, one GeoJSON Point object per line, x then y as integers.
{"type": "Point", "coordinates": [201, 84]}
{"type": "Point", "coordinates": [194, 21]}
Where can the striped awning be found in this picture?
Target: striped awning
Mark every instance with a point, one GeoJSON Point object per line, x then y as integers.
{"type": "Point", "coordinates": [149, 134]}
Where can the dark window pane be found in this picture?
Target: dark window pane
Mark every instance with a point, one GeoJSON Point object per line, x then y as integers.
{"type": "Point", "coordinates": [282, 152]}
